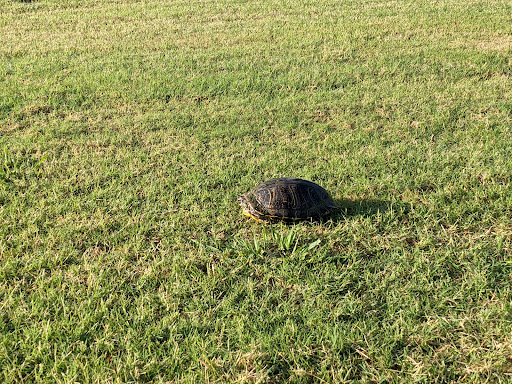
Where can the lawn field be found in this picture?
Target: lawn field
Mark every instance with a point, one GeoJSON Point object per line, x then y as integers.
{"type": "Point", "coordinates": [128, 128]}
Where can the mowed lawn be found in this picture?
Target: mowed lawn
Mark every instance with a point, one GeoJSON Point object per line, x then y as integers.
{"type": "Point", "coordinates": [128, 129]}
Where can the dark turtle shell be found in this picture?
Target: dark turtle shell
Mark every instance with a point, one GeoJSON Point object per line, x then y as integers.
{"type": "Point", "coordinates": [287, 199]}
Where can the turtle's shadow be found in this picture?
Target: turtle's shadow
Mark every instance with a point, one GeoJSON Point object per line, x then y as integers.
{"type": "Point", "coordinates": [365, 207]}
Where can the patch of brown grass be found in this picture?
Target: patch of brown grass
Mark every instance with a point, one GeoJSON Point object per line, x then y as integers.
{"type": "Point", "coordinates": [490, 43]}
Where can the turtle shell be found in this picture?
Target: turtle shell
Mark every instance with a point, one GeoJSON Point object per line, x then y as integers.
{"type": "Point", "coordinates": [287, 199]}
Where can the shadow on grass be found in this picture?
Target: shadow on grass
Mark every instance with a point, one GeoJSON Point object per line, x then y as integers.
{"type": "Point", "coordinates": [346, 208]}
{"type": "Point", "coordinates": [366, 208]}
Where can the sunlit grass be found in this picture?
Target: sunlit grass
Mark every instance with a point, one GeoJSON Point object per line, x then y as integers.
{"type": "Point", "coordinates": [128, 129]}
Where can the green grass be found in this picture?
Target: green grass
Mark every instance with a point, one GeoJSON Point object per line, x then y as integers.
{"type": "Point", "coordinates": [129, 128]}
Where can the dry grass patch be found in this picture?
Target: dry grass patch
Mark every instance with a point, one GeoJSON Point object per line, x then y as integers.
{"type": "Point", "coordinates": [490, 43]}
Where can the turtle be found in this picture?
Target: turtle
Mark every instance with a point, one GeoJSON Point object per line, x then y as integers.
{"type": "Point", "coordinates": [286, 199]}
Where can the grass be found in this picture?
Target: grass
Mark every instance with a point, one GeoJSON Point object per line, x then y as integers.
{"type": "Point", "coordinates": [128, 129]}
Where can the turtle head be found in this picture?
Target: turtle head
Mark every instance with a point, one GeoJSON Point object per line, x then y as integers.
{"type": "Point", "coordinates": [248, 207]}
